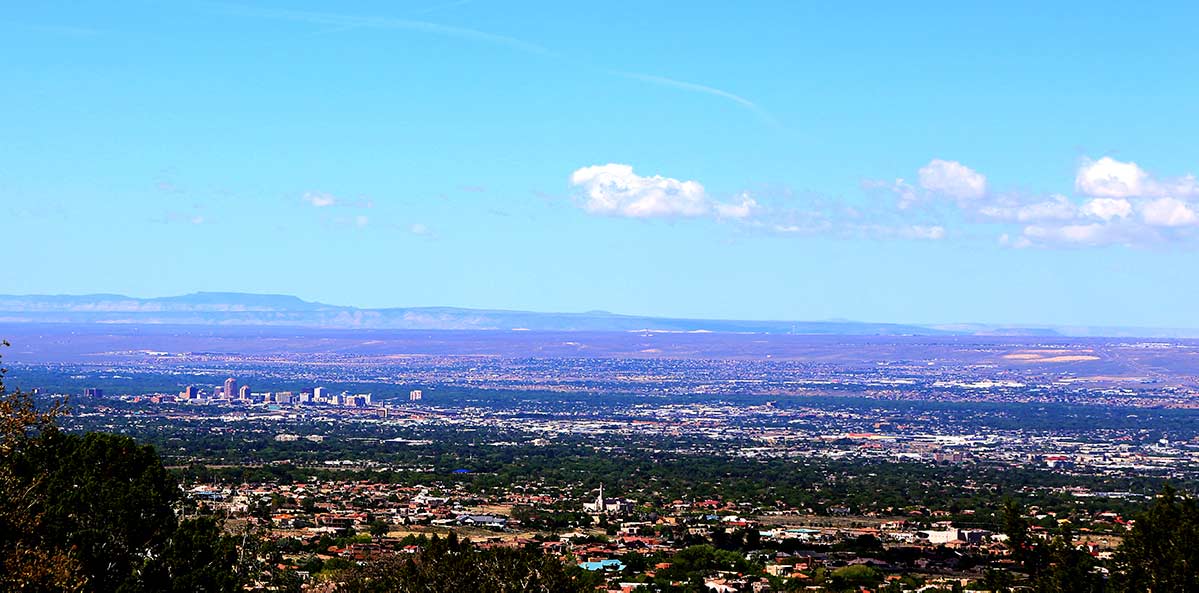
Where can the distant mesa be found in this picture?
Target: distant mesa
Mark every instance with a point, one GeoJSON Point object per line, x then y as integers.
{"type": "Point", "coordinates": [237, 309]}
{"type": "Point", "coordinates": [233, 309]}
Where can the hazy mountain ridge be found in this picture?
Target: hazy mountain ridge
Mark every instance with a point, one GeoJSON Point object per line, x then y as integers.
{"type": "Point", "coordinates": [211, 308]}
{"type": "Point", "coordinates": [241, 309]}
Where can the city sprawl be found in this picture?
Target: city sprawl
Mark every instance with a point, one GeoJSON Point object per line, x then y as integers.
{"type": "Point", "coordinates": [648, 460]}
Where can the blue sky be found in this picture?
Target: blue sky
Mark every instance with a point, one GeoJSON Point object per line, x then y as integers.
{"type": "Point", "coordinates": [950, 162]}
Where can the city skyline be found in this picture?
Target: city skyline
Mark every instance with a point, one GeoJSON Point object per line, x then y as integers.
{"type": "Point", "coordinates": [938, 164]}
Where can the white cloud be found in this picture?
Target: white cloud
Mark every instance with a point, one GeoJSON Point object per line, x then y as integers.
{"type": "Point", "coordinates": [1107, 208]}
{"type": "Point", "coordinates": [1168, 212]}
{"type": "Point", "coordinates": [1057, 208]}
{"type": "Point", "coordinates": [418, 229]}
{"type": "Point", "coordinates": [319, 199]}
{"type": "Point", "coordinates": [1109, 178]}
{"type": "Point", "coordinates": [615, 190]}
{"type": "Point", "coordinates": [953, 179]}
{"type": "Point", "coordinates": [1185, 186]}
{"type": "Point", "coordinates": [1116, 204]}
{"type": "Point", "coordinates": [739, 211]}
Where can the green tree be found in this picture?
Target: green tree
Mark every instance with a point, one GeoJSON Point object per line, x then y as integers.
{"type": "Point", "coordinates": [107, 499]}
{"type": "Point", "coordinates": [26, 564]}
{"type": "Point", "coordinates": [997, 581]}
{"type": "Point", "coordinates": [1161, 552]}
{"type": "Point", "coordinates": [855, 576]}
{"type": "Point", "coordinates": [447, 565]}
{"type": "Point", "coordinates": [378, 528]}
{"type": "Point", "coordinates": [1067, 569]}
{"type": "Point", "coordinates": [196, 559]}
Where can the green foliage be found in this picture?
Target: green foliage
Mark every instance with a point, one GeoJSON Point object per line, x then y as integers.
{"type": "Point", "coordinates": [26, 563]}
{"type": "Point", "coordinates": [447, 565]}
{"type": "Point", "coordinates": [1161, 552]}
{"type": "Point", "coordinates": [196, 558]}
{"type": "Point", "coordinates": [858, 575]}
{"type": "Point", "coordinates": [105, 498]}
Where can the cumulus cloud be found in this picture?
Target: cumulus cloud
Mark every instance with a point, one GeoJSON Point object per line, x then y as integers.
{"type": "Point", "coordinates": [1109, 178]}
{"type": "Point", "coordinates": [615, 190]}
{"type": "Point", "coordinates": [953, 179]}
{"type": "Point", "coordinates": [1114, 203]}
{"type": "Point", "coordinates": [741, 210]}
{"type": "Point", "coordinates": [1168, 212]}
{"type": "Point", "coordinates": [1107, 208]}
{"type": "Point", "coordinates": [1118, 190]}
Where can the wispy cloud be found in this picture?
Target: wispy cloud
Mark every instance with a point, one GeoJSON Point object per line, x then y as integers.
{"type": "Point", "coordinates": [319, 199]}
{"type": "Point", "coordinates": [182, 218]}
{"type": "Point", "coordinates": [703, 89]}
{"type": "Point", "coordinates": [55, 29]}
{"type": "Point", "coordinates": [376, 22]}
{"type": "Point", "coordinates": [445, 6]}
{"type": "Point", "coordinates": [343, 22]}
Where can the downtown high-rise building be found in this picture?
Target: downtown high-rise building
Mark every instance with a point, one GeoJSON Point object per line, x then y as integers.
{"type": "Point", "coordinates": [230, 388]}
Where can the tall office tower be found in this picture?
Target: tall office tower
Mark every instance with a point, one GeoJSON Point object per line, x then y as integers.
{"type": "Point", "coordinates": [218, 391]}
{"type": "Point", "coordinates": [415, 395]}
{"type": "Point", "coordinates": [230, 387]}
{"type": "Point", "coordinates": [243, 392]}
{"type": "Point", "coordinates": [320, 394]}
{"type": "Point", "coordinates": [189, 392]}
{"type": "Point", "coordinates": [305, 397]}
{"type": "Point", "coordinates": [93, 392]}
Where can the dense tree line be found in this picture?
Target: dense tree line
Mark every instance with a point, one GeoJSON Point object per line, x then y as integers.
{"type": "Point", "coordinates": [1160, 554]}
{"type": "Point", "coordinates": [449, 565]}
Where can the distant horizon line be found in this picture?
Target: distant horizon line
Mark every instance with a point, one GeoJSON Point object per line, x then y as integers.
{"type": "Point", "coordinates": [940, 326]}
